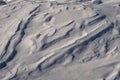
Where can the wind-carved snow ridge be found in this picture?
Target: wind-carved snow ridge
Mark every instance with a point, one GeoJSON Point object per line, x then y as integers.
{"type": "Point", "coordinates": [59, 40]}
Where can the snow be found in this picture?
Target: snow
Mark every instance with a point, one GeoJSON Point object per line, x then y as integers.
{"type": "Point", "coordinates": [60, 40]}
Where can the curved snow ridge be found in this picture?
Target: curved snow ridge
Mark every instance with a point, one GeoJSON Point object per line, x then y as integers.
{"type": "Point", "coordinates": [47, 39]}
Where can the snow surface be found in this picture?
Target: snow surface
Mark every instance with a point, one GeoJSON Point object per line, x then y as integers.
{"type": "Point", "coordinates": [60, 40]}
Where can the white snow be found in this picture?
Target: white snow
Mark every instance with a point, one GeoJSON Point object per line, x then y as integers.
{"type": "Point", "coordinates": [60, 40]}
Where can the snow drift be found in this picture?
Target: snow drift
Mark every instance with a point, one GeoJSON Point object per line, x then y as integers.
{"type": "Point", "coordinates": [60, 40]}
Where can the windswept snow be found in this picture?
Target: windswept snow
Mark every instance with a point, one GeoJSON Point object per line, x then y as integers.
{"type": "Point", "coordinates": [60, 40]}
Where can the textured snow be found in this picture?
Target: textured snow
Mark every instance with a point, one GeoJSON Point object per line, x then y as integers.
{"type": "Point", "coordinates": [60, 40]}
